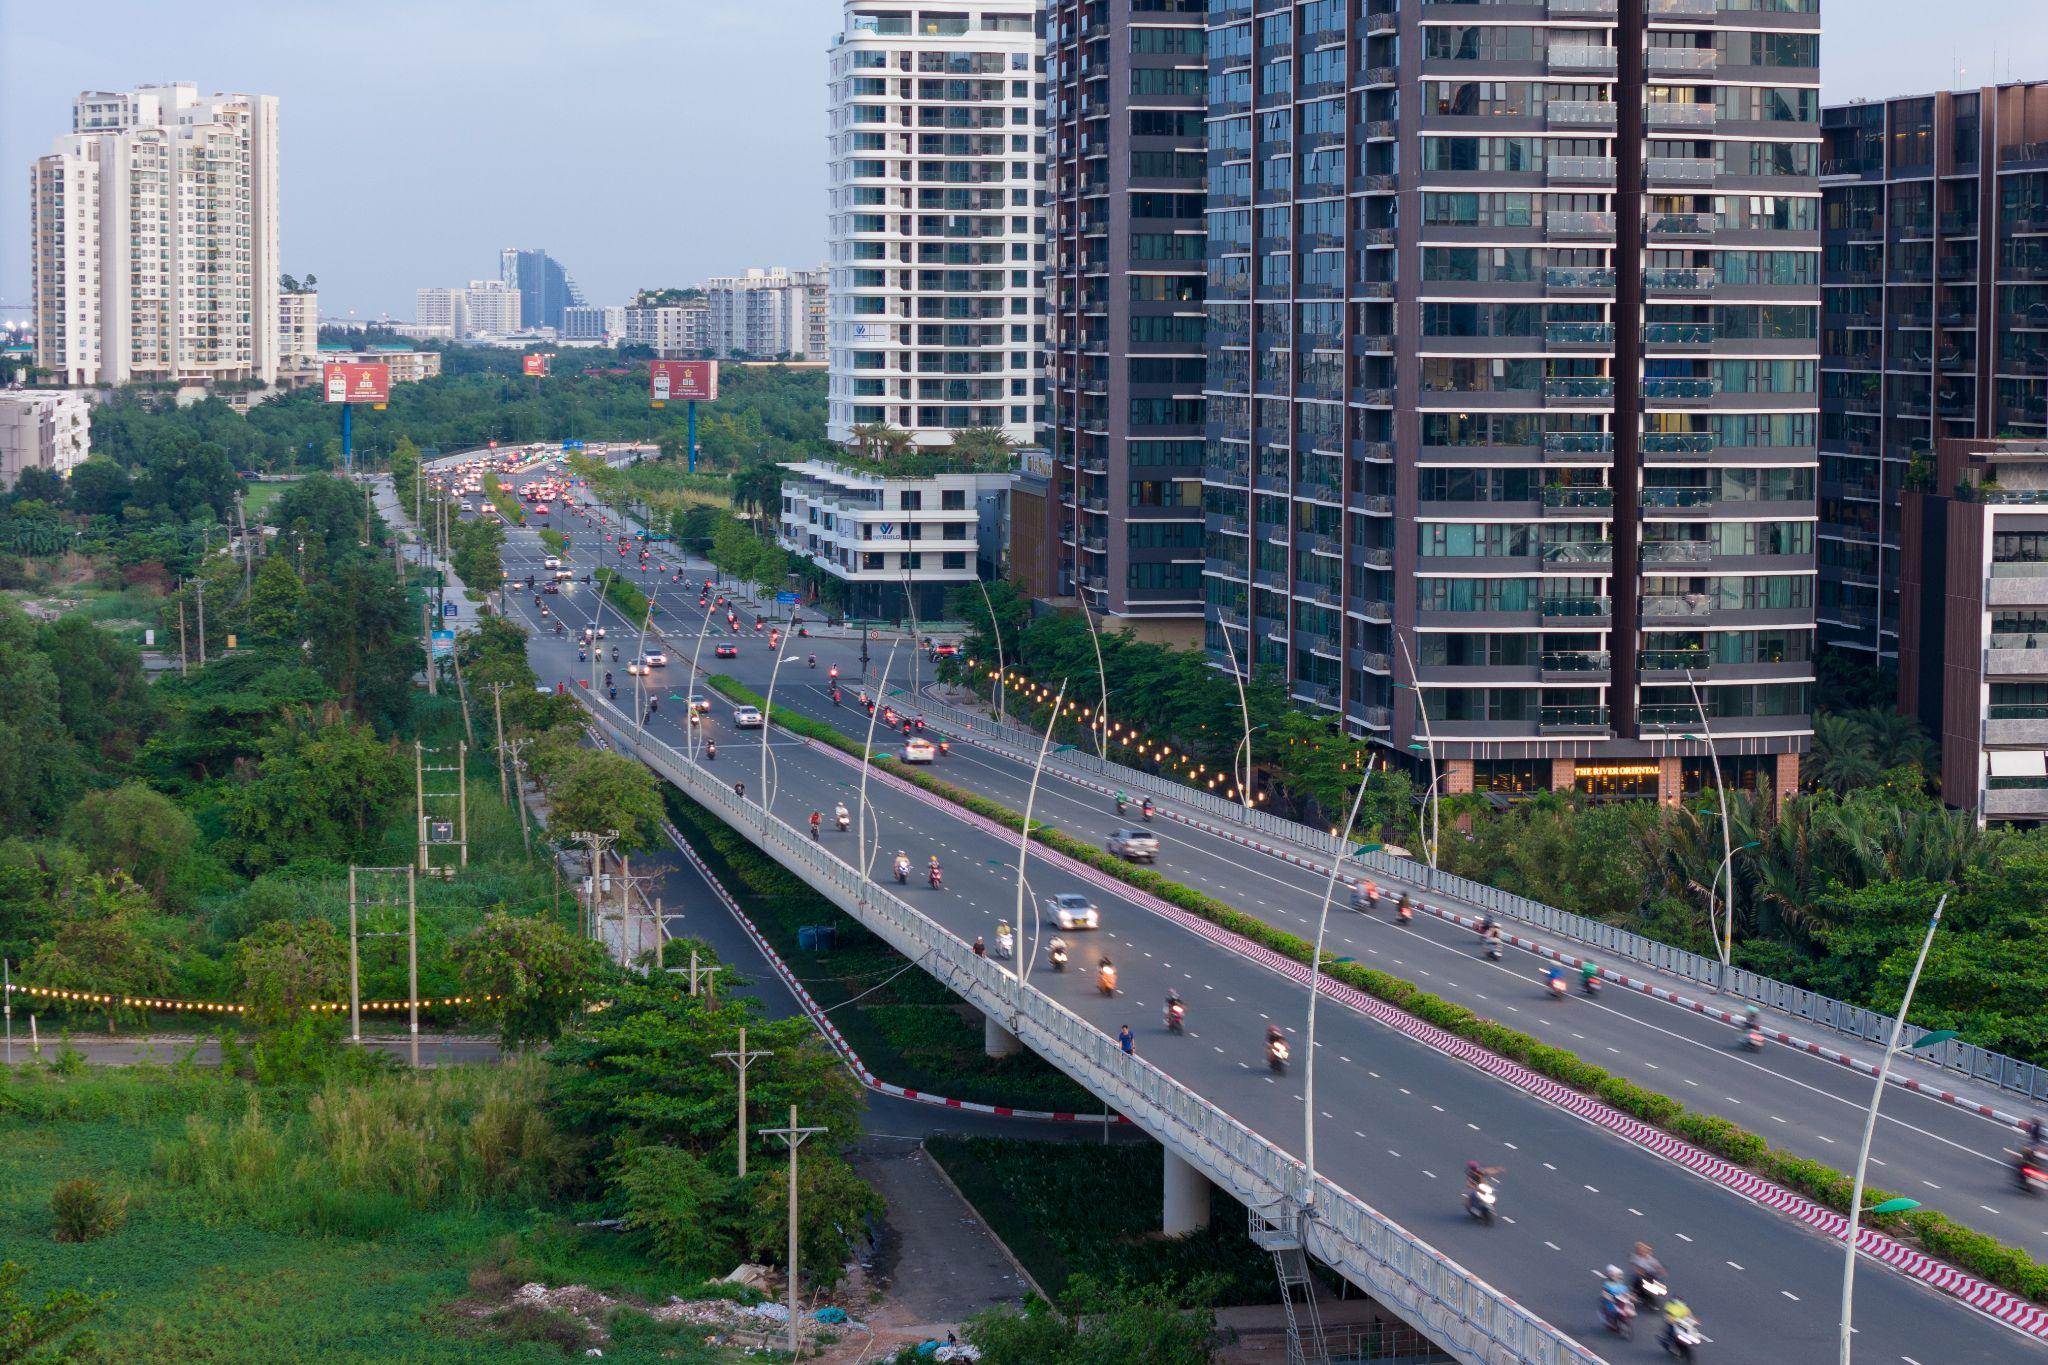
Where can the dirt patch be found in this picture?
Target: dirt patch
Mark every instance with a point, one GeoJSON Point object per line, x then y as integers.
{"type": "Point", "coordinates": [578, 1319]}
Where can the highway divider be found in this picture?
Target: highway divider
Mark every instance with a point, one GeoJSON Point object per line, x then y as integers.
{"type": "Point", "coordinates": [501, 498]}
{"type": "Point", "coordinates": [1981, 1255]}
{"type": "Point", "coordinates": [628, 599]}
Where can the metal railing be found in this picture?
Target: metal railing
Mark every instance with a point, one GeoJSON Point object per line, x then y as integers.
{"type": "Point", "coordinates": [1460, 1312]}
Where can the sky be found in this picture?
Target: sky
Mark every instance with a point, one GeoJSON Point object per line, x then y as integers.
{"type": "Point", "coordinates": [642, 142]}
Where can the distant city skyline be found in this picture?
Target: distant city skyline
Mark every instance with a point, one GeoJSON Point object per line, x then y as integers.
{"type": "Point", "coordinates": [418, 141]}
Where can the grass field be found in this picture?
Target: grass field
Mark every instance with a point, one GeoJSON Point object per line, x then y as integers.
{"type": "Point", "coordinates": [258, 496]}
{"type": "Point", "coordinates": [194, 1283]}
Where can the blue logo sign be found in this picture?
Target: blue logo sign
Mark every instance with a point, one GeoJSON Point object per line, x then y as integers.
{"type": "Point", "coordinates": [449, 609]}
{"type": "Point", "coordinates": [786, 598]}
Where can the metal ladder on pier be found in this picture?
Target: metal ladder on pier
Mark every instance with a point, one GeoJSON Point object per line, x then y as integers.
{"type": "Point", "coordinates": [1306, 1342]}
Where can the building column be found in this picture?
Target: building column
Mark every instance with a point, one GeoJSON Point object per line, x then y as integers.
{"type": "Point", "coordinates": [1670, 781]}
{"type": "Point", "coordinates": [1564, 774]}
{"type": "Point", "coordinates": [1787, 780]}
{"type": "Point", "coordinates": [1458, 777]}
{"type": "Point", "coordinates": [1185, 1208]}
{"type": "Point", "coordinates": [998, 1041]}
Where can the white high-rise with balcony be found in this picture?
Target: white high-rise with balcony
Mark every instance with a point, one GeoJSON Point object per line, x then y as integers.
{"type": "Point", "coordinates": [937, 226]}
{"type": "Point", "coordinates": [153, 239]}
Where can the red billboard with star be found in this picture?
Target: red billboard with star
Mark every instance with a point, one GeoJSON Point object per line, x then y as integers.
{"type": "Point", "coordinates": [349, 382]}
{"type": "Point", "coordinates": [536, 365]}
{"type": "Point", "coordinates": [695, 380]}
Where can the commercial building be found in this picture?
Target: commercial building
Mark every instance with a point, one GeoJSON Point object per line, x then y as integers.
{"type": "Point", "coordinates": [937, 221]}
{"type": "Point", "coordinates": [896, 545]}
{"type": "Point", "coordinates": [298, 325]}
{"type": "Point", "coordinates": [764, 314]}
{"type": "Point", "coordinates": [1513, 325]}
{"type": "Point", "coordinates": [42, 429]}
{"type": "Point", "coordinates": [545, 288]}
{"type": "Point", "coordinates": [407, 366]}
{"type": "Point", "coordinates": [593, 322]}
{"type": "Point", "coordinates": [1125, 283]}
{"type": "Point", "coordinates": [153, 239]}
{"type": "Point", "coordinates": [674, 330]}
{"type": "Point", "coordinates": [1973, 622]}
{"type": "Point", "coordinates": [485, 308]}
{"type": "Point", "coordinates": [1936, 318]}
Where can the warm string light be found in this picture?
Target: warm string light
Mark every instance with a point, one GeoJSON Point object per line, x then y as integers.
{"type": "Point", "coordinates": [52, 993]}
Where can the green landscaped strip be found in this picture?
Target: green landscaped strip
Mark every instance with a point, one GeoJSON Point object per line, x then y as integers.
{"type": "Point", "coordinates": [554, 540]}
{"type": "Point", "coordinates": [2008, 1267]}
{"type": "Point", "coordinates": [508, 505]}
{"type": "Point", "coordinates": [623, 595]}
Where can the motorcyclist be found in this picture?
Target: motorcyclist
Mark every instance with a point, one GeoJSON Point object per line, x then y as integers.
{"type": "Point", "coordinates": [1589, 973]}
{"type": "Point", "coordinates": [1121, 801]}
{"type": "Point", "coordinates": [839, 814]}
{"type": "Point", "coordinates": [814, 661]}
{"type": "Point", "coordinates": [582, 656]}
{"type": "Point", "coordinates": [1676, 1315]}
{"type": "Point", "coordinates": [1493, 942]}
{"type": "Point", "coordinates": [615, 653]}
{"type": "Point", "coordinates": [1105, 977]}
{"type": "Point", "coordinates": [1614, 1295]}
{"type": "Point", "coordinates": [607, 677]}
{"type": "Point", "coordinates": [902, 865]}
{"type": "Point", "coordinates": [611, 693]}
{"type": "Point", "coordinates": [1145, 807]}
{"type": "Point", "coordinates": [1643, 1266]}
{"type": "Point", "coordinates": [833, 673]}
{"type": "Point", "coordinates": [711, 749]}
{"type": "Point", "coordinates": [835, 696]}
{"type": "Point", "coordinates": [816, 821]}
{"type": "Point", "coordinates": [1475, 1176]}
{"type": "Point", "coordinates": [1057, 951]}
{"type": "Point", "coordinates": [1175, 1008]}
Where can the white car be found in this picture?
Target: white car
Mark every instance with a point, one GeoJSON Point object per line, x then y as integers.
{"type": "Point", "coordinates": [656, 659]}
{"type": "Point", "coordinates": [1071, 910]}
{"type": "Point", "coordinates": [916, 750]}
{"type": "Point", "coordinates": [636, 667]}
{"type": "Point", "coordinates": [747, 717]}
{"type": "Point", "coordinates": [551, 563]}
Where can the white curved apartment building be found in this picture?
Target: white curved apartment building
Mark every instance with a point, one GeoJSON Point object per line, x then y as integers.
{"type": "Point", "coordinates": [937, 217]}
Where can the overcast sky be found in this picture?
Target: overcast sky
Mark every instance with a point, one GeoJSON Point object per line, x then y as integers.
{"type": "Point", "coordinates": [643, 142]}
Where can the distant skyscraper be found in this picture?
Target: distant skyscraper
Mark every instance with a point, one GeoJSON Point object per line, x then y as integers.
{"type": "Point", "coordinates": [153, 239]}
{"type": "Point", "coordinates": [937, 227]}
{"type": "Point", "coordinates": [545, 289]}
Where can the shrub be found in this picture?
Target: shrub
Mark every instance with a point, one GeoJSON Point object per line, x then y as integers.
{"type": "Point", "coordinates": [85, 1210]}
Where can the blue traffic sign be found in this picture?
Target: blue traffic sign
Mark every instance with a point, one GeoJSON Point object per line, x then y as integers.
{"type": "Point", "coordinates": [450, 609]}
{"type": "Point", "coordinates": [786, 598]}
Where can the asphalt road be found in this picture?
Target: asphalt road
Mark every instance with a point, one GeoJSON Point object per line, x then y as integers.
{"type": "Point", "coordinates": [1395, 1119]}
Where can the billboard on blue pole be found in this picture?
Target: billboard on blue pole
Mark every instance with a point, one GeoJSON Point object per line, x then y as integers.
{"type": "Point", "coordinates": [444, 643]}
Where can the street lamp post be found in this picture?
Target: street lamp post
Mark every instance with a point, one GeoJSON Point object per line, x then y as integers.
{"type": "Point", "coordinates": [1244, 789]}
{"type": "Point", "coordinates": [1430, 797]}
{"type": "Point", "coordinates": [1315, 971]}
{"type": "Point", "coordinates": [767, 723]}
{"type": "Point", "coordinates": [1725, 945]}
{"type": "Point", "coordinates": [867, 761]}
{"type": "Point", "coordinates": [1436, 808]}
{"type": "Point", "coordinates": [1870, 1127]}
{"type": "Point", "coordinates": [996, 629]}
{"type": "Point", "coordinates": [1030, 798]}
{"type": "Point", "coordinates": [1102, 679]}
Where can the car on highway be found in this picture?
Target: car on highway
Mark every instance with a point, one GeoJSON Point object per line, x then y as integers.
{"type": "Point", "coordinates": [1072, 910]}
{"type": "Point", "coordinates": [635, 667]}
{"type": "Point", "coordinates": [551, 587]}
{"type": "Point", "coordinates": [1134, 845]}
{"type": "Point", "coordinates": [551, 563]}
{"type": "Point", "coordinates": [655, 658]}
{"type": "Point", "coordinates": [747, 717]}
{"type": "Point", "coordinates": [726, 651]}
{"type": "Point", "coordinates": [917, 749]}
{"type": "Point", "coordinates": [945, 651]}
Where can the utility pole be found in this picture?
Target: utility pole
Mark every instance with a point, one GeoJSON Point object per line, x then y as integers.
{"type": "Point", "coordinates": [708, 973]}
{"type": "Point", "coordinates": [597, 844]}
{"type": "Point", "coordinates": [184, 659]}
{"type": "Point", "coordinates": [462, 694]}
{"type": "Point", "coordinates": [360, 900]}
{"type": "Point", "coordinates": [519, 800]}
{"type": "Point", "coordinates": [458, 828]}
{"type": "Point", "coordinates": [426, 641]}
{"type": "Point", "coordinates": [202, 613]}
{"type": "Point", "coordinates": [741, 1059]}
{"type": "Point", "coordinates": [497, 691]}
{"type": "Point", "coordinates": [793, 1138]}
{"type": "Point", "coordinates": [412, 965]}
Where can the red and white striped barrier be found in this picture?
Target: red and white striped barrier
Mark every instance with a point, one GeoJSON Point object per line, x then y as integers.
{"type": "Point", "coordinates": [2005, 1307]}
{"type": "Point", "coordinates": [1541, 949]}
{"type": "Point", "coordinates": [819, 1017]}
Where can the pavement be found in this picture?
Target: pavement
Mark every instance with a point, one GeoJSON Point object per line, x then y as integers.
{"type": "Point", "coordinates": [1395, 1118]}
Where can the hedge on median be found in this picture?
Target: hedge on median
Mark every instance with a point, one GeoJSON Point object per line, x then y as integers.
{"type": "Point", "coordinates": [2008, 1267]}
{"type": "Point", "coordinates": [623, 595]}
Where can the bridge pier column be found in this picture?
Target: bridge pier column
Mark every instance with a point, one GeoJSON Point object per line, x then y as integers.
{"type": "Point", "coordinates": [998, 1041]}
{"type": "Point", "coordinates": [1186, 1206]}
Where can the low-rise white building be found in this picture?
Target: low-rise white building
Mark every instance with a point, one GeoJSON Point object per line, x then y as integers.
{"type": "Point", "coordinates": [42, 429]}
{"type": "Point", "coordinates": [298, 326]}
{"type": "Point", "coordinates": [594, 322]}
{"type": "Point", "coordinates": [674, 330]}
{"type": "Point", "coordinates": [407, 367]}
{"type": "Point", "coordinates": [888, 538]}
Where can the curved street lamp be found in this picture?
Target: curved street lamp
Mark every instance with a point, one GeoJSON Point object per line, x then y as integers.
{"type": "Point", "coordinates": [1002, 684]}
{"type": "Point", "coordinates": [1031, 798]}
{"type": "Point", "coordinates": [866, 762]}
{"type": "Point", "coordinates": [1244, 787]}
{"type": "Point", "coordinates": [1315, 972]}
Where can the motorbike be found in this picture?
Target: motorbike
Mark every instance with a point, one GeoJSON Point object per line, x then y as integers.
{"type": "Point", "coordinates": [1105, 981]}
{"type": "Point", "coordinates": [1682, 1337]}
{"type": "Point", "coordinates": [2030, 1171]}
{"type": "Point", "coordinates": [1479, 1201]}
{"type": "Point", "coordinates": [711, 750]}
{"type": "Point", "coordinates": [1650, 1293]}
{"type": "Point", "coordinates": [1590, 985]}
{"type": "Point", "coordinates": [902, 871]}
{"type": "Point", "coordinates": [845, 821]}
{"type": "Point", "coordinates": [1146, 811]}
{"type": "Point", "coordinates": [1058, 958]}
{"type": "Point", "coordinates": [1404, 911]}
{"type": "Point", "coordinates": [1753, 1039]}
{"type": "Point", "coordinates": [1493, 949]}
{"type": "Point", "coordinates": [1618, 1314]}
{"type": "Point", "coordinates": [934, 878]}
{"type": "Point", "coordinates": [1120, 807]}
{"type": "Point", "coordinates": [1557, 988]}
{"type": "Point", "coordinates": [1176, 1012]}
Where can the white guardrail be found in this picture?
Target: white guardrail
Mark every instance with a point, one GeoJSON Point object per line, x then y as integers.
{"type": "Point", "coordinates": [1992, 1068]}
{"type": "Point", "coordinates": [1454, 1308]}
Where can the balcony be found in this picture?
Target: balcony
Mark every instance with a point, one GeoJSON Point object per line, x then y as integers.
{"type": "Point", "coordinates": [1376, 557]}
{"type": "Point", "coordinates": [1673, 661]}
{"type": "Point", "coordinates": [1668, 226]}
{"type": "Point", "coordinates": [2017, 661]}
{"type": "Point", "coordinates": [1373, 610]}
{"type": "Point", "coordinates": [2016, 725]}
{"type": "Point", "coordinates": [1573, 9]}
{"type": "Point", "coordinates": [1679, 334]}
{"type": "Point", "coordinates": [1575, 608]}
{"type": "Point", "coordinates": [1679, 170]}
{"type": "Point", "coordinates": [1666, 499]}
{"type": "Point", "coordinates": [1583, 58]}
{"type": "Point", "coordinates": [1683, 718]}
{"type": "Point", "coordinates": [1588, 334]}
{"type": "Point", "coordinates": [1687, 61]}
{"type": "Point", "coordinates": [1578, 224]}
{"type": "Point", "coordinates": [1579, 444]}
{"type": "Point", "coordinates": [1670, 443]}
{"type": "Point", "coordinates": [1576, 278]}
{"type": "Point", "coordinates": [1569, 661]}
{"type": "Point", "coordinates": [1579, 113]}
{"type": "Point", "coordinates": [1678, 114]}
{"type": "Point", "coordinates": [1557, 720]}
{"type": "Point", "coordinates": [1579, 552]}
{"type": "Point", "coordinates": [1677, 552]}
{"type": "Point", "coordinates": [1683, 607]}
{"type": "Point", "coordinates": [1370, 661]}
{"type": "Point", "coordinates": [1679, 390]}
{"type": "Point", "coordinates": [1578, 169]}
{"type": "Point", "coordinates": [1373, 504]}
{"type": "Point", "coordinates": [1316, 643]}
{"type": "Point", "coordinates": [1578, 389]}
{"type": "Point", "coordinates": [1319, 693]}
{"type": "Point", "coordinates": [1680, 281]}
{"type": "Point", "coordinates": [1566, 498]}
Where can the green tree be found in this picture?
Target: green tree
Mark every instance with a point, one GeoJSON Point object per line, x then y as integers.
{"type": "Point", "coordinates": [133, 830]}
{"type": "Point", "coordinates": [686, 1210]}
{"type": "Point", "coordinates": [100, 487]}
{"type": "Point", "coordinates": [274, 600]}
{"type": "Point", "coordinates": [40, 767]}
{"type": "Point", "coordinates": [102, 944]}
{"type": "Point", "coordinates": [833, 1208]}
{"type": "Point", "coordinates": [287, 965]}
{"type": "Point", "coordinates": [529, 976]}
{"type": "Point", "coordinates": [323, 789]}
{"type": "Point", "coordinates": [323, 520]}
{"type": "Point", "coordinates": [363, 640]}
{"type": "Point", "coordinates": [49, 1332]}
{"type": "Point", "coordinates": [103, 695]}
{"type": "Point", "coordinates": [1128, 1324]}
{"type": "Point", "coordinates": [598, 791]}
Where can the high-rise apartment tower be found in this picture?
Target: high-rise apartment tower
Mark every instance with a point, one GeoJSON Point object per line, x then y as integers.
{"type": "Point", "coordinates": [1513, 328]}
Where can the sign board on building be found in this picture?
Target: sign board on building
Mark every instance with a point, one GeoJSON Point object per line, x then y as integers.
{"type": "Point", "coordinates": [535, 365]}
{"type": "Point", "coordinates": [695, 380]}
{"type": "Point", "coordinates": [444, 643]}
{"type": "Point", "coordinates": [348, 382]}
{"type": "Point", "coordinates": [450, 609]}
{"type": "Point", "coordinates": [786, 598]}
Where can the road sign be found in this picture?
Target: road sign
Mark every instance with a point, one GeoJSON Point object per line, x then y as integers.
{"type": "Point", "coordinates": [444, 643]}
{"type": "Point", "coordinates": [786, 598]}
{"type": "Point", "coordinates": [450, 609]}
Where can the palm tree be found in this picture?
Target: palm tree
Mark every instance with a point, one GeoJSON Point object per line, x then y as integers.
{"type": "Point", "coordinates": [758, 488]}
{"type": "Point", "coordinates": [1897, 741]}
{"type": "Point", "coordinates": [989, 448]}
{"type": "Point", "coordinates": [1841, 759]}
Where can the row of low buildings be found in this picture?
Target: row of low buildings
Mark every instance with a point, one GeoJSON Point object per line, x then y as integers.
{"type": "Point", "coordinates": [1537, 384]}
